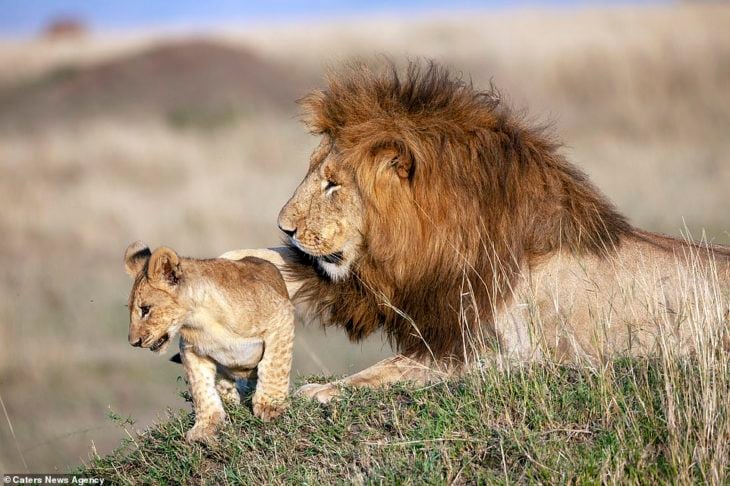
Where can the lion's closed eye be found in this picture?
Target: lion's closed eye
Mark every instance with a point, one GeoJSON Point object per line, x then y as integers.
{"type": "Point", "coordinates": [330, 187]}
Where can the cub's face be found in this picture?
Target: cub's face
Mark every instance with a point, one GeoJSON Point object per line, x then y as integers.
{"type": "Point", "coordinates": [155, 316]}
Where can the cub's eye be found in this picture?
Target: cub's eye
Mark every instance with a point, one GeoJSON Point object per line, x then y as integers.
{"type": "Point", "coordinates": [330, 187]}
{"type": "Point", "coordinates": [144, 310]}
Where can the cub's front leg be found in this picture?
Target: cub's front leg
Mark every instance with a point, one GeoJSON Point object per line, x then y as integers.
{"type": "Point", "coordinates": [272, 389]}
{"type": "Point", "coordinates": [209, 413]}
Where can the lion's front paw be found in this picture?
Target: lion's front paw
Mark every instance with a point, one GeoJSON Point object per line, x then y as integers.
{"type": "Point", "coordinates": [204, 431]}
{"type": "Point", "coordinates": [321, 392]}
{"type": "Point", "coordinates": [267, 409]}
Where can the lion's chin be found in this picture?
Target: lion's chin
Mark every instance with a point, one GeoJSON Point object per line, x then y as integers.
{"type": "Point", "coordinates": [335, 271]}
{"type": "Point", "coordinates": [335, 265]}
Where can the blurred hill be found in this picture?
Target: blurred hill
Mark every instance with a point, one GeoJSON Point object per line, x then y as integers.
{"type": "Point", "coordinates": [189, 81]}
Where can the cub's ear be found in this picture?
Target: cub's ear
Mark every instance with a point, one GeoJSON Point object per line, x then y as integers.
{"type": "Point", "coordinates": [135, 258]}
{"type": "Point", "coordinates": [164, 267]}
{"type": "Point", "coordinates": [394, 156]}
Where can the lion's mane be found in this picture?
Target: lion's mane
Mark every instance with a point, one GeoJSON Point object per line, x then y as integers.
{"type": "Point", "coordinates": [487, 197]}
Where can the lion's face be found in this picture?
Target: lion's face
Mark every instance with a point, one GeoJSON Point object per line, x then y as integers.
{"type": "Point", "coordinates": [155, 316]}
{"type": "Point", "coordinates": [324, 217]}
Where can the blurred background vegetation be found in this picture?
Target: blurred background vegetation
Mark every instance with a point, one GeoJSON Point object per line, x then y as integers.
{"type": "Point", "coordinates": [185, 133]}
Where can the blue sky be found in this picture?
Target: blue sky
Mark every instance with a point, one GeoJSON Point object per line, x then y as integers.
{"type": "Point", "coordinates": [27, 17]}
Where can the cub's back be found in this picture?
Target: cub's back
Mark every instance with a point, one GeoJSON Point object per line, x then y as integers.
{"type": "Point", "coordinates": [241, 294]}
{"type": "Point", "coordinates": [250, 284]}
{"type": "Point", "coordinates": [241, 279]}
{"type": "Point", "coordinates": [258, 271]}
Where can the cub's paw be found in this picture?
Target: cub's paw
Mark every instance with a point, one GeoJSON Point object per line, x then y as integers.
{"type": "Point", "coordinates": [267, 409]}
{"type": "Point", "coordinates": [228, 392]}
{"type": "Point", "coordinates": [204, 432]}
{"type": "Point", "coordinates": [321, 392]}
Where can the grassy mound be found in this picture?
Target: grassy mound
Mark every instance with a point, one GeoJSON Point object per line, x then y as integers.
{"type": "Point", "coordinates": [634, 421]}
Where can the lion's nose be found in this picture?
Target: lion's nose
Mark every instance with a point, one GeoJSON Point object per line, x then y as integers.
{"type": "Point", "coordinates": [136, 343]}
{"type": "Point", "coordinates": [288, 231]}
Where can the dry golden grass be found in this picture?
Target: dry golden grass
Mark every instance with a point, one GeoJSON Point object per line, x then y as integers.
{"type": "Point", "coordinates": [638, 94]}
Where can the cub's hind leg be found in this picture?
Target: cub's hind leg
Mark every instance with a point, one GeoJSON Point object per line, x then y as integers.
{"type": "Point", "coordinates": [228, 391]}
{"type": "Point", "coordinates": [228, 386]}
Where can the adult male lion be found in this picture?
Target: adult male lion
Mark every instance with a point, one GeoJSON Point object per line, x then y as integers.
{"type": "Point", "coordinates": [433, 213]}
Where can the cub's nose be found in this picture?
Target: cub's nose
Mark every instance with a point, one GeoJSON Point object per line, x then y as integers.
{"type": "Point", "coordinates": [137, 343]}
{"type": "Point", "coordinates": [288, 231]}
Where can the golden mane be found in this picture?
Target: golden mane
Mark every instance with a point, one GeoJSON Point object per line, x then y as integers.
{"type": "Point", "coordinates": [487, 195]}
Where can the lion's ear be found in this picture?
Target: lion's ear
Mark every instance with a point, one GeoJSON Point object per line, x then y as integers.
{"type": "Point", "coordinates": [135, 258]}
{"type": "Point", "coordinates": [403, 165]}
{"type": "Point", "coordinates": [164, 267]}
{"type": "Point", "coordinates": [395, 157]}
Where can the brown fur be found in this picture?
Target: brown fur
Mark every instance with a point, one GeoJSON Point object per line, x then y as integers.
{"type": "Point", "coordinates": [483, 196]}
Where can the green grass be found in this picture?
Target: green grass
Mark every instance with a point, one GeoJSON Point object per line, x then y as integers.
{"type": "Point", "coordinates": [636, 421]}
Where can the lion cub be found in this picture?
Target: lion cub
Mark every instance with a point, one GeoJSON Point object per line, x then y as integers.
{"type": "Point", "coordinates": [233, 316]}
